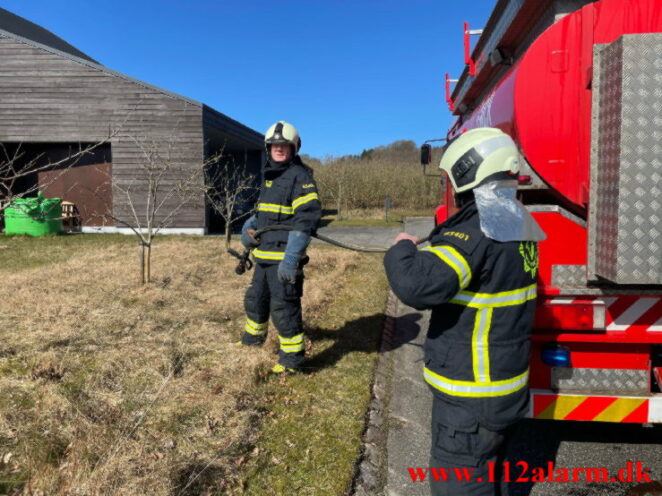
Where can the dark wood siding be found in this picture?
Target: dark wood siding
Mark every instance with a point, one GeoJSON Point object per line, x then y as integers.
{"type": "Point", "coordinates": [245, 146]}
{"type": "Point", "coordinates": [48, 98]}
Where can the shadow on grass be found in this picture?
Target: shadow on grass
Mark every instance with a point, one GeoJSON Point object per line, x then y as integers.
{"type": "Point", "coordinates": [406, 329]}
{"type": "Point", "coordinates": [363, 335]}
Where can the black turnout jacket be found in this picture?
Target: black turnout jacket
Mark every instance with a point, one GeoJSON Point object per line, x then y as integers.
{"type": "Point", "coordinates": [288, 196]}
{"type": "Point", "coordinates": [482, 295]}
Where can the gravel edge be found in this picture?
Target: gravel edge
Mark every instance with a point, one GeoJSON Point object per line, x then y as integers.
{"type": "Point", "coordinates": [371, 468]}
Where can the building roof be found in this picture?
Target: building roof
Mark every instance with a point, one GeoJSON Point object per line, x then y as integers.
{"type": "Point", "coordinates": [30, 31]}
{"type": "Point", "coordinates": [24, 31]}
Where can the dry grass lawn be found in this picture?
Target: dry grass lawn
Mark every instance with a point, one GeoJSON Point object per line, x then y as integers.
{"type": "Point", "coordinates": [110, 388]}
{"type": "Point", "coordinates": [374, 216]}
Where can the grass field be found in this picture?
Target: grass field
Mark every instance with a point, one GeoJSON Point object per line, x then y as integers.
{"type": "Point", "coordinates": [109, 387]}
{"type": "Point", "coordinates": [374, 217]}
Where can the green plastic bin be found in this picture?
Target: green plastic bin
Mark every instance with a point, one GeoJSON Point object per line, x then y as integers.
{"type": "Point", "coordinates": [34, 216]}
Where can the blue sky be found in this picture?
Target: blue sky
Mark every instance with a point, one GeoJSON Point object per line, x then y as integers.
{"type": "Point", "coordinates": [349, 75]}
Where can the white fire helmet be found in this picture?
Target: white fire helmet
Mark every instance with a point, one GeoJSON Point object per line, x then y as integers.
{"type": "Point", "coordinates": [283, 132]}
{"type": "Point", "coordinates": [478, 154]}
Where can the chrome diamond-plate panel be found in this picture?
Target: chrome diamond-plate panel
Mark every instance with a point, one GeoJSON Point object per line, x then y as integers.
{"type": "Point", "coordinates": [628, 198]}
{"type": "Point", "coordinates": [609, 128]}
{"type": "Point", "coordinates": [594, 169]}
{"type": "Point", "coordinates": [564, 276]}
{"type": "Point", "coordinates": [600, 380]}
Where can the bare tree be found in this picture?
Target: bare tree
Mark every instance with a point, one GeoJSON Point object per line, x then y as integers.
{"type": "Point", "coordinates": [161, 185]}
{"type": "Point", "coordinates": [230, 189]}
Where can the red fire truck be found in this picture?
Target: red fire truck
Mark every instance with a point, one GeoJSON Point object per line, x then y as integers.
{"type": "Point", "coordinates": [578, 85]}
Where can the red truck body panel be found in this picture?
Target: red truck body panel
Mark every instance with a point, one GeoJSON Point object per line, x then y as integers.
{"type": "Point", "coordinates": [554, 131]}
{"type": "Point", "coordinates": [544, 101]}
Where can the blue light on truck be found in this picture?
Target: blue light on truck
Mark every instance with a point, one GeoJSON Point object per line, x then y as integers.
{"type": "Point", "coordinates": [556, 357]}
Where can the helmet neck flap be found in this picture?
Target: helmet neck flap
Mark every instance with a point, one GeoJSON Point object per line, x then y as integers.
{"type": "Point", "coordinates": [482, 165]}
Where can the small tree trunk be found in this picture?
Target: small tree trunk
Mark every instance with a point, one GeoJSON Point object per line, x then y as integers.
{"type": "Point", "coordinates": [142, 262]}
{"type": "Point", "coordinates": [149, 261]}
{"type": "Point", "coordinates": [228, 235]}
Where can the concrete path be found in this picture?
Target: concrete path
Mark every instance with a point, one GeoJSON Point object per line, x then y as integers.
{"type": "Point", "coordinates": [376, 236]}
{"type": "Point", "coordinates": [419, 226]}
{"type": "Point", "coordinates": [410, 402]}
{"type": "Point", "coordinates": [410, 405]}
{"type": "Point", "coordinates": [369, 236]}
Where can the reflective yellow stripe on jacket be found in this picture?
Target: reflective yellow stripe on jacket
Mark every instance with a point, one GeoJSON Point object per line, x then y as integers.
{"type": "Point", "coordinates": [272, 207]}
{"type": "Point", "coordinates": [482, 385]}
{"type": "Point", "coordinates": [451, 257]}
{"type": "Point", "coordinates": [493, 300]}
{"type": "Point", "coordinates": [480, 345]}
{"type": "Point", "coordinates": [286, 209]}
{"type": "Point", "coordinates": [302, 200]}
{"type": "Point", "coordinates": [268, 255]}
{"type": "Point", "coordinates": [474, 389]}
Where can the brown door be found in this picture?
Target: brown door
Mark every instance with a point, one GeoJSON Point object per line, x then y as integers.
{"type": "Point", "coordinates": [87, 186]}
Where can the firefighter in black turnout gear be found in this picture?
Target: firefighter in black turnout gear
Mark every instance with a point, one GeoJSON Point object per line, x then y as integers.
{"type": "Point", "coordinates": [288, 196]}
{"type": "Point", "coordinates": [478, 276]}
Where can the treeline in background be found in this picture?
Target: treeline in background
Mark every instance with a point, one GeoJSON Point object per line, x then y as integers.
{"type": "Point", "coordinates": [351, 183]}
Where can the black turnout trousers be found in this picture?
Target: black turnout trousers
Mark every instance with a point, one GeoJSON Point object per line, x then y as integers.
{"type": "Point", "coordinates": [268, 295]}
{"type": "Point", "coordinates": [459, 442]}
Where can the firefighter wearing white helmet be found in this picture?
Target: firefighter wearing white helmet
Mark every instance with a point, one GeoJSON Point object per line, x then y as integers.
{"type": "Point", "coordinates": [282, 133]}
{"type": "Point", "coordinates": [288, 196]}
{"type": "Point", "coordinates": [478, 276]}
{"type": "Point", "coordinates": [472, 157]}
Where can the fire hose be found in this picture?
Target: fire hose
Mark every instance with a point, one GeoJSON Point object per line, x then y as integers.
{"type": "Point", "coordinates": [245, 263]}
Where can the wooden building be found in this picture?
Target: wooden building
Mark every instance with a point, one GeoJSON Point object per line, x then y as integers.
{"type": "Point", "coordinates": [54, 98]}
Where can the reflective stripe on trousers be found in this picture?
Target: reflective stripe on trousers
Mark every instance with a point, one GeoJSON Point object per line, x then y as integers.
{"type": "Point", "coordinates": [293, 344]}
{"type": "Point", "coordinates": [255, 328]}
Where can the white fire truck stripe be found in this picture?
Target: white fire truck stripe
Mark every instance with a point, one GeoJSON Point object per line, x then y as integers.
{"type": "Point", "coordinates": [561, 301]}
{"type": "Point", "coordinates": [632, 314]}
{"type": "Point", "coordinates": [599, 316]}
{"type": "Point", "coordinates": [570, 301]}
{"type": "Point", "coordinates": [657, 327]}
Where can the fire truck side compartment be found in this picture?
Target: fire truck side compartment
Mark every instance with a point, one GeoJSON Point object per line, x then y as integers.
{"type": "Point", "coordinates": [625, 246]}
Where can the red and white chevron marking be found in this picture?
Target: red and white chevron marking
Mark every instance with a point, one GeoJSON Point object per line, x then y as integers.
{"type": "Point", "coordinates": [627, 312]}
{"type": "Point", "coordinates": [547, 404]}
